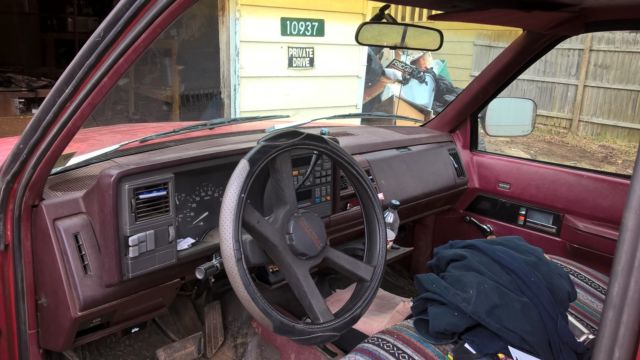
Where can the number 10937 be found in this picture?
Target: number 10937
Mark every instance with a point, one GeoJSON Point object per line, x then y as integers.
{"type": "Point", "coordinates": [301, 27]}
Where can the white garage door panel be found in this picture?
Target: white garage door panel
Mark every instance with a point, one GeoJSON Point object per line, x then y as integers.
{"type": "Point", "coordinates": [268, 59]}
{"type": "Point", "coordinates": [291, 93]}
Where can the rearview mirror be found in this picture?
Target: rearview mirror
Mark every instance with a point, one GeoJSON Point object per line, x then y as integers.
{"type": "Point", "coordinates": [399, 36]}
{"type": "Point", "coordinates": [509, 117]}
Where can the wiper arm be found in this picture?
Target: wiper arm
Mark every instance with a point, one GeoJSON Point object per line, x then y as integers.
{"type": "Point", "coordinates": [375, 115]}
{"type": "Point", "coordinates": [208, 125]}
{"type": "Point", "coordinates": [203, 125]}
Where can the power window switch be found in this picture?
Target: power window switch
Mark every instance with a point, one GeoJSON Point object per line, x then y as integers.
{"type": "Point", "coordinates": [522, 215]}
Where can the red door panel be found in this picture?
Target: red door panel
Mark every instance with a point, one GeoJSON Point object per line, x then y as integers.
{"type": "Point", "coordinates": [591, 204]}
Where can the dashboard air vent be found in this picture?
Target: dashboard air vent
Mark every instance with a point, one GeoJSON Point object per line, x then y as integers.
{"type": "Point", "coordinates": [151, 201]}
{"type": "Point", "coordinates": [82, 254]}
{"type": "Point", "coordinates": [457, 163]}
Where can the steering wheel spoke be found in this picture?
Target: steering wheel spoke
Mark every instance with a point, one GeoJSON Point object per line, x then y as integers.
{"type": "Point", "coordinates": [347, 265]}
{"type": "Point", "coordinates": [265, 233]}
{"type": "Point", "coordinates": [308, 294]}
{"type": "Point", "coordinates": [281, 182]}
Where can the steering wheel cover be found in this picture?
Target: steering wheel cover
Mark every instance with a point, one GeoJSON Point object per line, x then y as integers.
{"type": "Point", "coordinates": [231, 213]}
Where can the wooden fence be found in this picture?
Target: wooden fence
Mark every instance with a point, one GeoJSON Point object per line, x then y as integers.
{"type": "Point", "coordinates": [589, 84]}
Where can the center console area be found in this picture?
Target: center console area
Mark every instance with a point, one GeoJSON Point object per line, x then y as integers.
{"type": "Point", "coordinates": [313, 179]}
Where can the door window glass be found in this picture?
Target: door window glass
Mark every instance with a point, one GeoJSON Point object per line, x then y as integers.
{"type": "Point", "coordinates": [587, 92]}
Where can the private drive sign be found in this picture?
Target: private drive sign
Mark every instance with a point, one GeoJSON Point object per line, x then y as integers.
{"type": "Point", "coordinates": [300, 57]}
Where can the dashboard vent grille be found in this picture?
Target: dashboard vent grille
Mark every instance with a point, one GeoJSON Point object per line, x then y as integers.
{"type": "Point", "coordinates": [457, 163]}
{"type": "Point", "coordinates": [82, 254]}
{"type": "Point", "coordinates": [151, 201]}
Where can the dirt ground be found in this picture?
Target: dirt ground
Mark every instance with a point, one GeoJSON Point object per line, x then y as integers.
{"type": "Point", "coordinates": [558, 146]}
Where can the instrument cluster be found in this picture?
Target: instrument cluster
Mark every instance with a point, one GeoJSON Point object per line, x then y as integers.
{"type": "Point", "coordinates": [198, 198]}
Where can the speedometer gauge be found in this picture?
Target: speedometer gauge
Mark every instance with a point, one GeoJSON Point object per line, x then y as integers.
{"type": "Point", "coordinates": [198, 209]}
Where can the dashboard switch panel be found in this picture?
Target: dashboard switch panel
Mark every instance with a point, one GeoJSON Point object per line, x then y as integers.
{"type": "Point", "coordinates": [313, 179]}
{"type": "Point", "coordinates": [148, 251]}
{"type": "Point", "coordinates": [147, 224]}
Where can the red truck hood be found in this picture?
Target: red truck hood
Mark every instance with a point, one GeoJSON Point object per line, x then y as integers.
{"type": "Point", "coordinates": [91, 139]}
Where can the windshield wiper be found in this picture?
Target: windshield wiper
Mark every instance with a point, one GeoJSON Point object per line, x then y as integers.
{"type": "Point", "coordinates": [374, 115]}
{"type": "Point", "coordinates": [203, 125]}
{"type": "Point", "coordinates": [208, 125]}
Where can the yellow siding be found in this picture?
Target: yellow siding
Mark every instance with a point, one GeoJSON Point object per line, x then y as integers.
{"type": "Point", "coordinates": [458, 46]}
{"type": "Point", "coordinates": [267, 85]}
{"type": "Point", "coordinates": [350, 6]}
{"type": "Point", "coordinates": [448, 25]}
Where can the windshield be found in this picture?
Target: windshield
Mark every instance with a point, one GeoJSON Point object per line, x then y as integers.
{"type": "Point", "coordinates": [298, 62]}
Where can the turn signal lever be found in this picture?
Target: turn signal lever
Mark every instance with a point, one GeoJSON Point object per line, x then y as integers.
{"type": "Point", "coordinates": [209, 269]}
{"type": "Point", "coordinates": [485, 229]}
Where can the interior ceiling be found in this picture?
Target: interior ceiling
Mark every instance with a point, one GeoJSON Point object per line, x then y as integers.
{"type": "Point", "coordinates": [546, 16]}
{"type": "Point", "coordinates": [524, 5]}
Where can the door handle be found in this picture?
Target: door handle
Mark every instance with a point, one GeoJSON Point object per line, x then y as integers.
{"type": "Point", "coordinates": [485, 229]}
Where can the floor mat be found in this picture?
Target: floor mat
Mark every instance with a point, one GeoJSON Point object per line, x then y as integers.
{"type": "Point", "coordinates": [241, 340]}
{"type": "Point", "coordinates": [140, 345]}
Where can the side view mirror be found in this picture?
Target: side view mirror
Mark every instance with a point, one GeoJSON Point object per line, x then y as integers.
{"type": "Point", "coordinates": [509, 117]}
{"type": "Point", "coordinates": [399, 36]}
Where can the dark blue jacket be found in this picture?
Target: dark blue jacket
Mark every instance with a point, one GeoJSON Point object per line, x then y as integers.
{"type": "Point", "coordinates": [493, 293]}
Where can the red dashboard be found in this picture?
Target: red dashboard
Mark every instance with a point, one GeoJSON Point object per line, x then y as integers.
{"type": "Point", "coordinates": [110, 237]}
